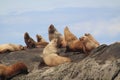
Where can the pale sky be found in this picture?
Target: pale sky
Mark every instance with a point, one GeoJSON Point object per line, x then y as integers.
{"type": "Point", "coordinates": [101, 18]}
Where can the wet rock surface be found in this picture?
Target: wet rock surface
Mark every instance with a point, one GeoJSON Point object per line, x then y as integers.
{"type": "Point", "coordinates": [103, 63]}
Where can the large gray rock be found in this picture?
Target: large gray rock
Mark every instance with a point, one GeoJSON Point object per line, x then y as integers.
{"type": "Point", "coordinates": [103, 63]}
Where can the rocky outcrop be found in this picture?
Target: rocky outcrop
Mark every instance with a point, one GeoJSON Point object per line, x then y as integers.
{"type": "Point", "coordinates": [103, 63]}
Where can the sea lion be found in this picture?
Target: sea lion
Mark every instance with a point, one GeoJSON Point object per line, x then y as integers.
{"type": "Point", "coordinates": [92, 38]}
{"type": "Point", "coordinates": [10, 47]}
{"type": "Point", "coordinates": [54, 60]}
{"type": "Point", "coordinates": [53, 33]}
{"type": "Point", "coordinates": [63, 42]}
{"type": "Point", "coordinates": [72, 42]}
{"type": "Point", "coordinates": [29, 41]}
{"type": "Point", "coordinates": [40, 38]}
{"type": "Point", "coordinates": [50, 55]}
{"type": "Point", "coordinates": [7, 72]}
{"type": "Point", "coordinates": [40, 41]}
{"type": "Point", "coordinates": [88, 43]}
{"type": "Point", "coordinates": [51, 48]}
{"type": "Point", "coordinates": [69, 36]}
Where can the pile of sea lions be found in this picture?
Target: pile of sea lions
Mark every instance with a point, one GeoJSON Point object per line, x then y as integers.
{"type": "Point", "coordinates": [50, 55]}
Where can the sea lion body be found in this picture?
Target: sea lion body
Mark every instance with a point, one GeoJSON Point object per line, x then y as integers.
{"type": "Point", "coordinates": [72, 42]}
{"type": "Point", "coordinates": [7, 72]}
{"type": "Point", "coordinates": [92, 38]}
{"type": "Point", "coordinates": [50, 55]}
{"type": "Point", "coordinates": [10, 47]}
{"type": "Point", "coordinates": [88, 43]}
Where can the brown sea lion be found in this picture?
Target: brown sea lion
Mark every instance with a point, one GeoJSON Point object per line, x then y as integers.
{"type": "Point", "coordinates": [40, 41]}
{"type": "Point", "coordinates": [69, 36]}
{"type": "Point", "coordinates": [40, 38]}
{"type": "Point", "coordinates": [63, 42]}
{"type": "Point", "coordinates": [29, 41]}
{"type": "Point", "coordinates": [7, 72]}
{"type": "Point", "coordinates": [42, 44]}
{"type": "Point", "coordinates": [50, 55]}
{"type": "Point", "coordinates": [72, 42]}
{"type": "Point", "coordinates": [10, 47]}
{"type": "Point", "coordinates": [76, 46]}
{"type": "Point", "coordinates": [92, 38]}
{"type": "Point", "coordinates": [53, 33]}
{"type": "Point", "coordinates": [88, 43]}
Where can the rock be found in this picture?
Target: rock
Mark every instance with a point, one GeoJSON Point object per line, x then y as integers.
{"type": "Point", "coordinates": [29, 57]}
{"type": "Point", "coordinates": [103, 63]}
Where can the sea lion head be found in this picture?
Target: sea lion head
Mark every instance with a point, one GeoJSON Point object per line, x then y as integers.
{"type": "Point", "coordinates": [39, 38]}
{"type": "Point", "coordinates": [69, 36]}
{"type": "Point", "coordinates": [26, 35]}
{"type": "Point", "coordinates": [51, 29]}
{"type": "Point", "coordinates": [87, 34]}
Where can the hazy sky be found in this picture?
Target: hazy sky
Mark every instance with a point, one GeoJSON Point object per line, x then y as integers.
{"type": "Point", "coordinates": [101, 18]}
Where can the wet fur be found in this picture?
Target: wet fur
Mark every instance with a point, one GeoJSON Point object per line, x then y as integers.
{"type": "Point", "coordinates": [7, 72]}
{"type": "Point", "coordinates": [29, 41]}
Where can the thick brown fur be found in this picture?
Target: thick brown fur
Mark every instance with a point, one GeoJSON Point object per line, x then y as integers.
{"type": "Point", "coordinates": [92, 38]}
{"type": "Point", "coordinates": [53, 33]}
{"type": "Point", "coordinates": [40, 41]}
{"type": "Point", "coordinates": [7, 72]}
{"type": "Point", "coordinates": [76, 46]}
{"type": "Point", "coordinates": [88, 43]}
{"type": "Point", "coordinates": [40, 38]}
{"type": "Point", "coordinates": [42, 44]}
{"type": "Point", "coordinates": [10, 47]}
{"type": "Point", "coordinates": [69, 37]}
{"type": "Point", "coordinates": [72, 42]}
{"type": "Point", "coordinates": [50, 55]}
{"type": "Point", "coordinates": [63, 42]}
{"type": "Point", "coordinates": [29, 41]}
